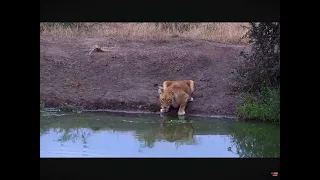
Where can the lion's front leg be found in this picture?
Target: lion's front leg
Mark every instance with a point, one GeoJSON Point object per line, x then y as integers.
{"type": "Point", "coordinates": [182, 108]}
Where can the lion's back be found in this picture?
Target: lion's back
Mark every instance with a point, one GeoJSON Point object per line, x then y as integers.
{"type": "Point", "coordinates": [182, 85]}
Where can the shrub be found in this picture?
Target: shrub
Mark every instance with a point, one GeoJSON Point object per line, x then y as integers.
{"type": "Point", "coordinates": [264, 106]}
{"type": "Point", "coordinates": [260, 67]}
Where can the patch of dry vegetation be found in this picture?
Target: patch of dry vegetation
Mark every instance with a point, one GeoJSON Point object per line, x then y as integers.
{"type": "Point", "coordinates": [222, 32]}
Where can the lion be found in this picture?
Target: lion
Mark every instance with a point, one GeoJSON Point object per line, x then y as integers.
{"type": "Point", "coordinates": [176, 94]}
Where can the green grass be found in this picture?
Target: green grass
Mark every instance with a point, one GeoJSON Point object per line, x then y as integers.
{"type": "Point", "coordinates": [65, 107]}
{"type": "Point", "coordinates": [263, 107]}
{"type": "Point", "coordinates": [68, 107]}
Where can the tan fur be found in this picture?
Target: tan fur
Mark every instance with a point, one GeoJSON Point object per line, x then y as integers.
{"type": "Point", "coordinates": [176, 94]}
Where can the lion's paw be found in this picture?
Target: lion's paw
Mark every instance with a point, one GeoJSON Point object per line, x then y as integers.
{"type": "Point", "coordinates": [181, 113]}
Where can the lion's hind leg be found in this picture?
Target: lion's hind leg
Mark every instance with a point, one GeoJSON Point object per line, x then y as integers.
{"type": "Point", "coordinates": [190, 83]}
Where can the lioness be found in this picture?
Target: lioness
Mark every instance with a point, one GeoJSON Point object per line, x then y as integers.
{"type": "Point", "coordinates": [176, 93]}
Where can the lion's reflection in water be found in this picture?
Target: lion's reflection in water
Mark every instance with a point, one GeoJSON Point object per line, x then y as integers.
{"type": "Point", "coordinates": [176, 129]}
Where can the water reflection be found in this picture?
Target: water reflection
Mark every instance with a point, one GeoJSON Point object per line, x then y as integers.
{"type": "Point", "coordinates": [101, 135]}
{"type": "Point", "coordinates": [255, 141]}
{"type": "Point", "coordinates": [169, 130]}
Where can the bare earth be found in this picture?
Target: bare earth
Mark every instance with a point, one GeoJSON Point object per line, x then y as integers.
{"type": "Point", "coordinates": [126, 77]}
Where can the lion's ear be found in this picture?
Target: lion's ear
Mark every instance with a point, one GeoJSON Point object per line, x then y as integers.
{"type": "Point", "coordinates": [160, 90]}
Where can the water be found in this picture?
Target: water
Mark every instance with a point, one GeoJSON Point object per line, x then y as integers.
{"type": "Point", "coordinates": [123, 135]}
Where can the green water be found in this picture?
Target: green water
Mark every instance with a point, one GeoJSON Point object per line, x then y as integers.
{"type": "Point", "coordinates": [123, 135]}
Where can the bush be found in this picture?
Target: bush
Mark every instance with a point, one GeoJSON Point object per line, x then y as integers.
{"type": "Point", "coordinates": [261, 67]}
{"type": "Point", "coordinates": [265, 106]}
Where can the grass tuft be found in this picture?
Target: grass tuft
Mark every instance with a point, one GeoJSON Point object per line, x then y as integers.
{"type": "Point", "coordinates": [263, 107]}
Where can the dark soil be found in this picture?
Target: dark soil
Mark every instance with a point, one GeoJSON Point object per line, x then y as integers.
{"type": "Point", "coordinates": [127, 75]}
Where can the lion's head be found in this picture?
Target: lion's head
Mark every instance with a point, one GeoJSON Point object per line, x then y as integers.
{"type": "Point", "coordinates": [165, 99]}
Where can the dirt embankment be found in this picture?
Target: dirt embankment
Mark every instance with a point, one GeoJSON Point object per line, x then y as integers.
{"type": "Point", "coordinates": [127, 75]}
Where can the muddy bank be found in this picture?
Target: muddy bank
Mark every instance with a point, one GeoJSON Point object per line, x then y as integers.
{"type": "Point", "coordinates": [127, 75]}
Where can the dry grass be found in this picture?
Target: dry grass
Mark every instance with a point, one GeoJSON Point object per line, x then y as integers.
{"type": "Point", "coordinates": [222, 32]}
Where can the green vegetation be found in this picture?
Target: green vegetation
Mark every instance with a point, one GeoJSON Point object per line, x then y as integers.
{"type": "Point", "coordinates": [63, 107]}
{"type": "Point", "coordinates": [68, 107]}
{"type": "Point", "coordinates": [265, 106]}
{"type": "Point", "coordinates": [258, 75]}
{"type": "Point", "coordinates": [53, 111]}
